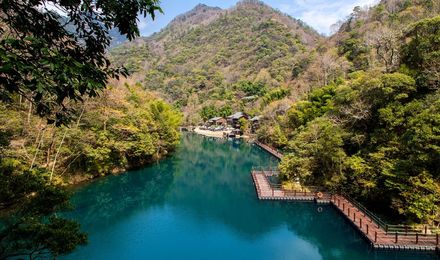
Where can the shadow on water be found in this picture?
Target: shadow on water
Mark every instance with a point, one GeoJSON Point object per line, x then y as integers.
{"type": "Point", "coordinates": [200, 202]}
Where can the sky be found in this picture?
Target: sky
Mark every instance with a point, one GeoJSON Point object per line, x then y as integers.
{"type": "Point", "coordinates": [320, 14]}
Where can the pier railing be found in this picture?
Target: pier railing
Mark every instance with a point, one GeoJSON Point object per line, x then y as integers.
{"type": "Point", "coordinates": [309, 191]}
{"type": "Point", "coordinates": [381, 234]}
{"type": "Point", "coordinates": [265, 168]}
{"type": "Point", "coordinates": [392, 229]}
{"type": "Point", "coordinates": [365, 211]}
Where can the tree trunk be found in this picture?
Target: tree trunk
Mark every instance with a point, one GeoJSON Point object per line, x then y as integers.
{"type": "Point", "coordinates": [56, 155]}
{"type": "Point", "coordinates": [38, 147]}
{"type": "Point", "coordinates": [29, 114]}
{"type": "Point", "coordinates": [50, 147]}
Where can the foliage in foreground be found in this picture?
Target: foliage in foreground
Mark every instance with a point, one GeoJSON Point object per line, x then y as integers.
{"type": "Point", "coordinates": [32, 228]}
{"type": "Point", "coordinates": [48, 63]}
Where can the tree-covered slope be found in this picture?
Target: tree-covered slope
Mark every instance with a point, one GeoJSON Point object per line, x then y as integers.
{"type": "Point", "coordinates": [373, 132]}
{"type": "Point", "coordinates": [204, 58]}
{"type": "Point", "coordinates": [124, 128]}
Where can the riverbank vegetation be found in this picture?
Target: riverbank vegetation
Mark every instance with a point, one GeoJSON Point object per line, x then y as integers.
{"type": "Point", "coordinates": [62, 122]}
{"type": "Point", "coordinates": [373, 134]}
{"type": "Point", "coordinates": [125, 127]}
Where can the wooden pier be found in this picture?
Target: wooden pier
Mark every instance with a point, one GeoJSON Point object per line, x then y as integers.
{"type": "Point", "coordinates": [377, 233]}
{"type": "Point", "coordinates": [267, 191]}
{"type": "Point", "coordinates": [269, 149]}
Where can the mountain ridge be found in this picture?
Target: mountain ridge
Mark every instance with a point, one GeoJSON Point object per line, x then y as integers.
{"type": "Point", "coordinates": [203, 56]}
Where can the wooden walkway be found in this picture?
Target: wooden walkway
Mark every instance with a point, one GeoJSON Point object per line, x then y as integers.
{"type": "Point", "coordinates": [362, 220]}
{"type": "Point", "coordinates": [377, 236]}
{"type": "Point", "coordinates": [265, 191]}
{"type": "Point", "coordinates": [269, 149]}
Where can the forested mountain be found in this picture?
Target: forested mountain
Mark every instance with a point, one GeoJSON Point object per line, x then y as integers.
{"type": "Point", "coordinates": [373, 132]}
{"type": "Point", "coordinates": [211, 60]}
{"type": "Point", "coordinates": [357, 111]}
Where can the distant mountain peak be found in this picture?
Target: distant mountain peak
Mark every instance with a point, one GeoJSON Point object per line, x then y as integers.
{"type": "Point", "coordinates": [258, 2]}
{"type": "Point", "coordinates": [202, 6]}
{"type": "Point", "coordinates": [251, 2]}
{"type": "Point", "coordinates": [198, 10]}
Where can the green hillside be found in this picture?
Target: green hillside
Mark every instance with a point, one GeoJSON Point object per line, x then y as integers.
{"type": "Point", "coordinates": [219, 60]}
{"type": "Point", "coordinates": [373, 133]}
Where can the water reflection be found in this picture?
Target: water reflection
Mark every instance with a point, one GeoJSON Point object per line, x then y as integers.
{"type": "Point", "coordinates": [200, 203]}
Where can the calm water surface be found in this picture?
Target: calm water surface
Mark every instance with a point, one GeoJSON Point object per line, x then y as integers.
{"type": "Point", "coordinates": [201, 204]}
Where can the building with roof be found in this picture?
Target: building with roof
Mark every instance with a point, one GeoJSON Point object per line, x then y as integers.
{"type": "Point", "coordinates": [255, 123]}
{"type": "Point", "coordinates": [217, 121]}
{"type": "Point", "coordinates": [234, 119]}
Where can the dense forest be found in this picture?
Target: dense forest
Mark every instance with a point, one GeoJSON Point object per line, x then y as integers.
{"type": "Point", "coordinates": [374, 134]}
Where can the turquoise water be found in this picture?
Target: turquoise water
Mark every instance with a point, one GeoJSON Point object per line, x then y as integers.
{"type": "Point", "coordinates": [201, 204]}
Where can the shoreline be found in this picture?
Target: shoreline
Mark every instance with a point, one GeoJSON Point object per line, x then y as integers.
{"type": "Point", "coordinates": [217, 134]}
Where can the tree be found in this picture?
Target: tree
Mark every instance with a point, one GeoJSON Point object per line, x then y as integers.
{"type": "Point", "coordinates": [208, 112]}
{"type": "Point", "coordinates": [251, 88]}
{"type": "Point", "coordinates": [421, 53]}
{"type": "Point", "coordinates": [419, 198]}
{"type": "Point", "coordinates": [50, 65]}
{"type": "Point", "coordinates": [33, 228]}
{"type": "Point", "coordinates": [355, 50]}
{"type": "Point", "coordinates": [386, 43]}
{"type": "Point", "coordinates": [320, 155]}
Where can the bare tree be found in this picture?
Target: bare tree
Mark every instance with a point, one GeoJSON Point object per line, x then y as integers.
{"type": "Point", "coordinates": [393, 6]}
{"type": "Point", "coordinates": [386, 43]}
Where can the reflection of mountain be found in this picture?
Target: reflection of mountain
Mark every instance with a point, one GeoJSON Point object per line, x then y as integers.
{"type": "Point", "coordinates": [215, 183]}
{"type": "Point", "coordinates": [202, 197]}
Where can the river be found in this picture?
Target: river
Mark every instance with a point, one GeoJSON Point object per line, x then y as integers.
{"type": "Point", "coordinates": [200, 203]}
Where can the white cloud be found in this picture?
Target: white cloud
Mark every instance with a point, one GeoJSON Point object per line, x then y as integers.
{"type": "Point", "coordinates": [319, 20]}
{"type": "Point", "coordinates": [53, 7]}
{"type": "Point", "coordinates": [142, 23]}
{"type": "Point", "coordinates": [321, 14]}
{"type": "Point", "coordinates": [285, 8]}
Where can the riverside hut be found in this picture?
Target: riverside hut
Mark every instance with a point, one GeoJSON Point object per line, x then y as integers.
{"type": "Point", "coordinates": [217, 121]}
{"type": "Point", "coordinates": [234, 119]}
{"type": "Point", "coordinates": [255, 123]}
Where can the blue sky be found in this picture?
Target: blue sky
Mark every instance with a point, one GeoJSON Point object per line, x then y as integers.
{"type": "Point", "coordinates": [320, 14]}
